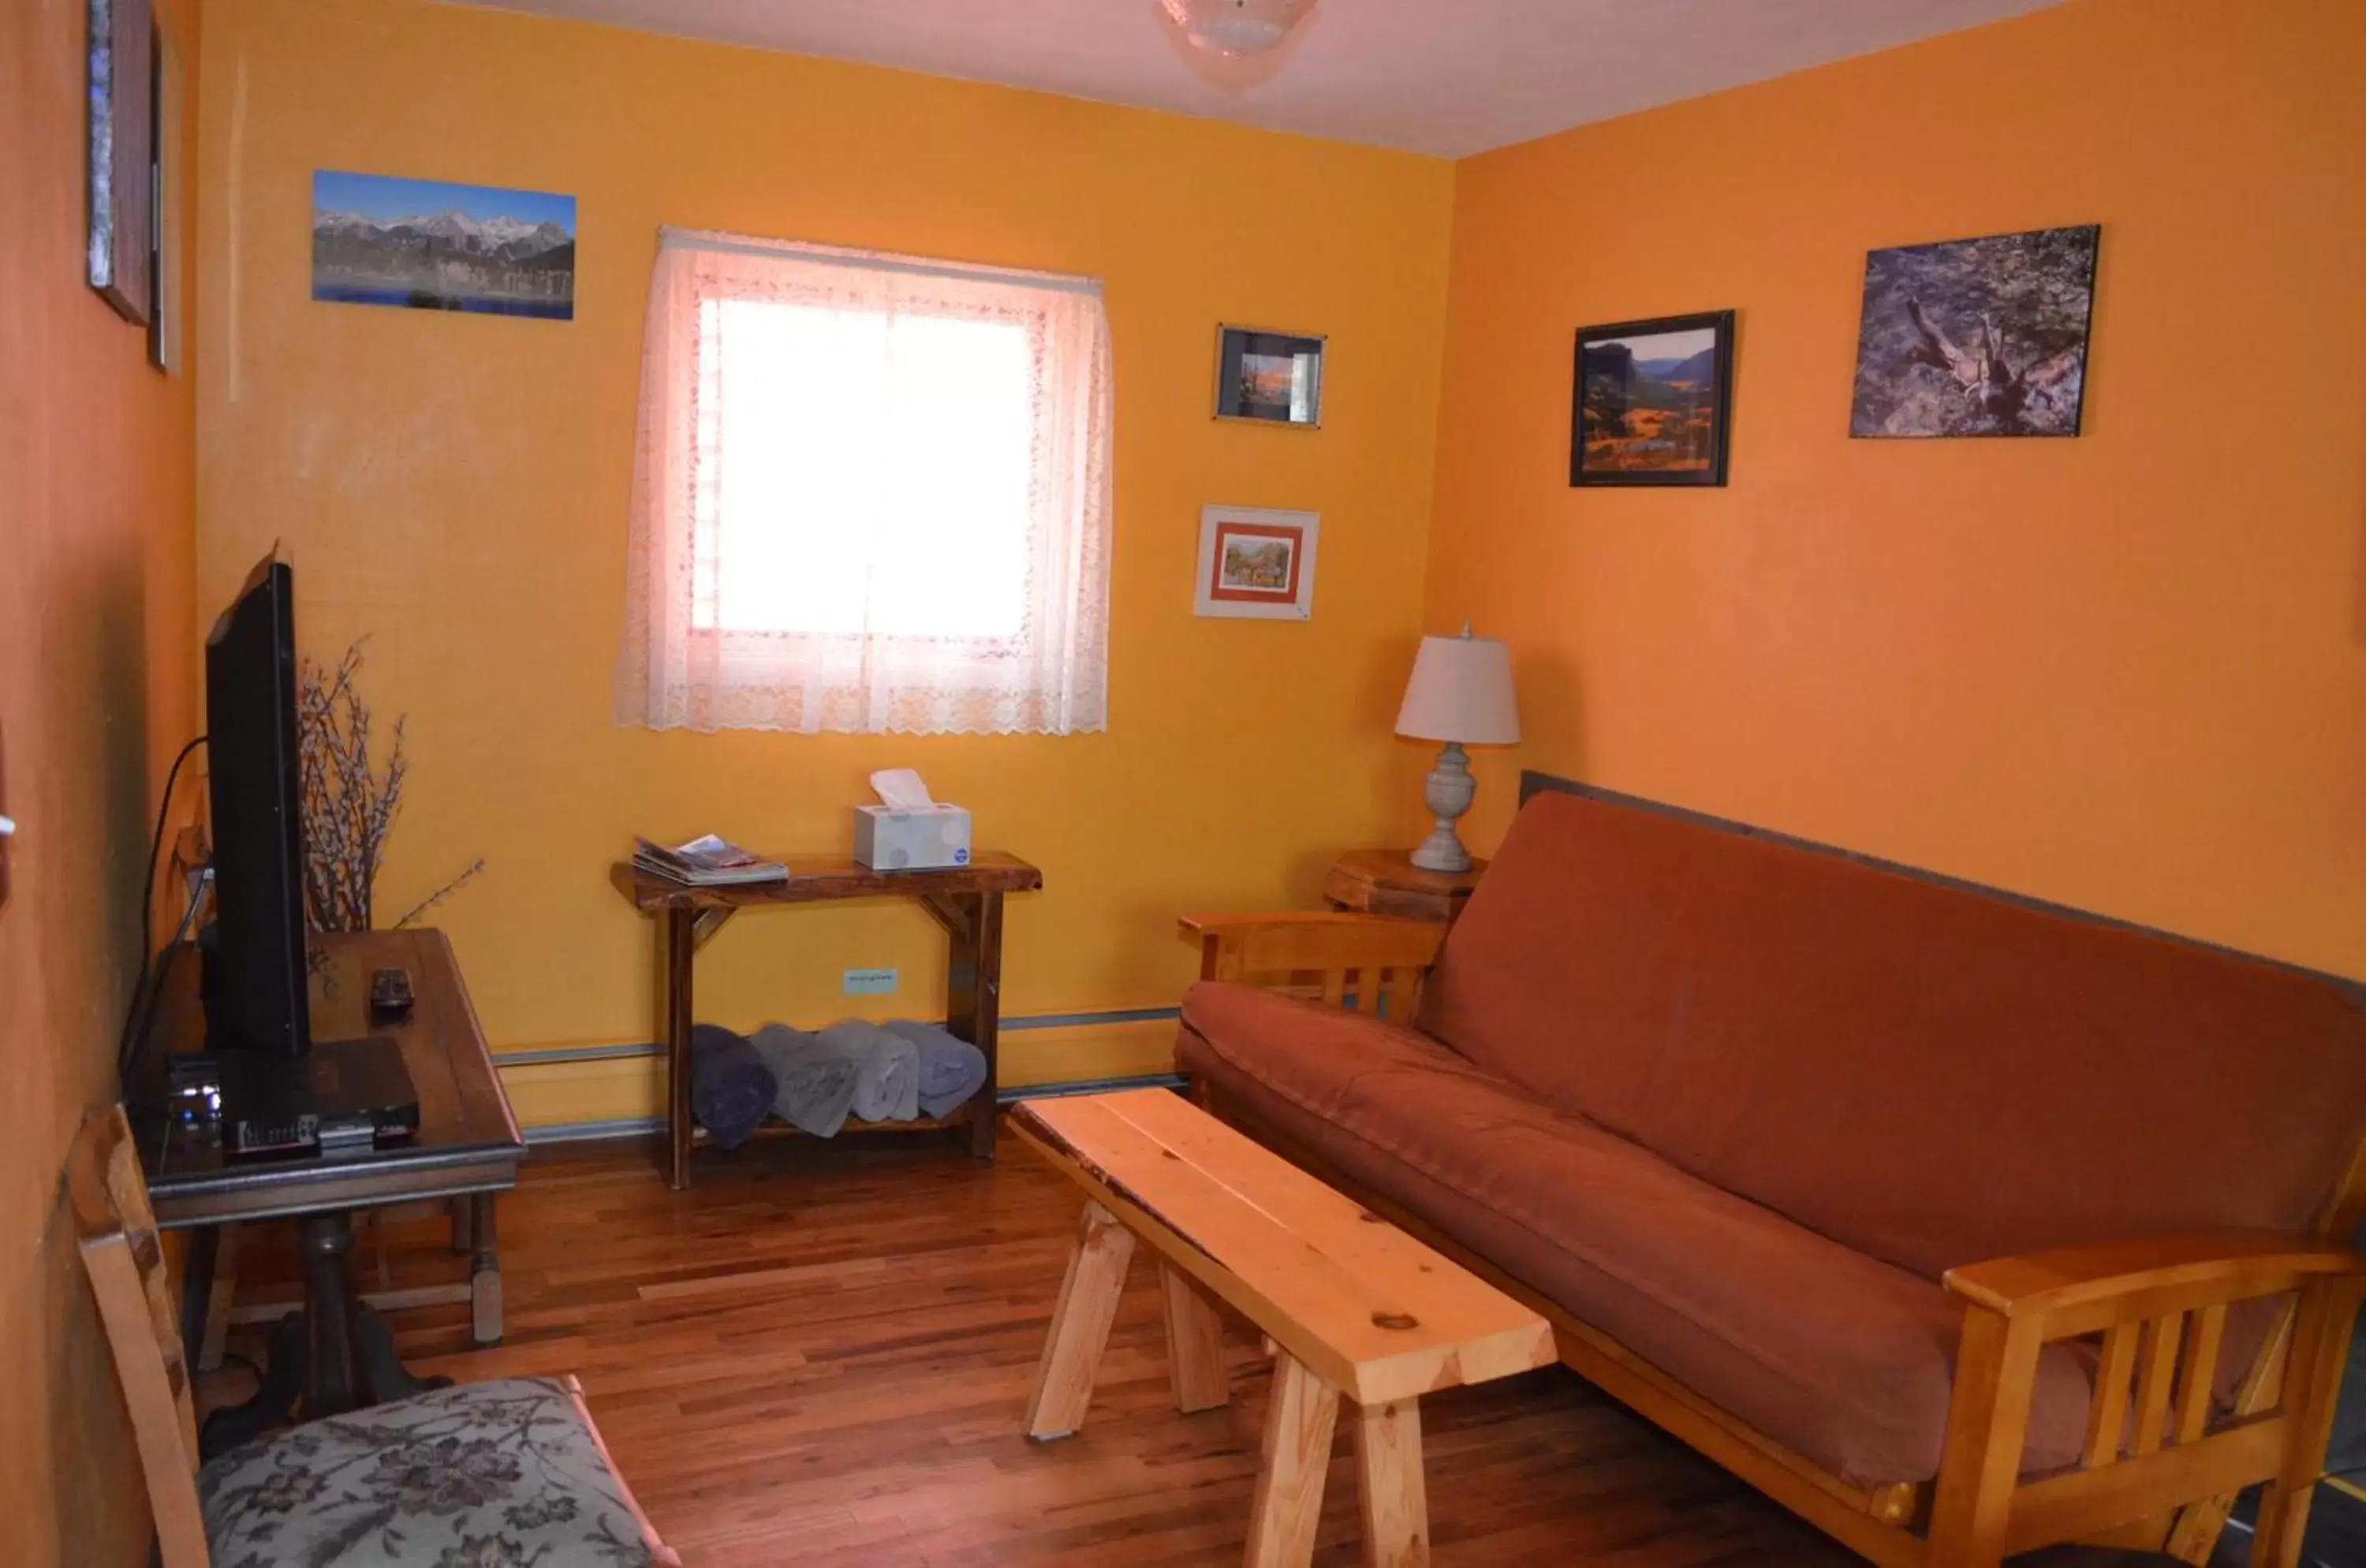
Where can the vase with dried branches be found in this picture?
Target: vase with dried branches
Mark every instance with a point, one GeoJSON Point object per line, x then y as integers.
{"type": "Point", "coordinates": [349, 805]}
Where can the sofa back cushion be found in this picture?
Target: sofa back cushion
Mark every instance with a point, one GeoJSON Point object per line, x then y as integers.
{"type": "Point", "coordinates": [1927, 1073]}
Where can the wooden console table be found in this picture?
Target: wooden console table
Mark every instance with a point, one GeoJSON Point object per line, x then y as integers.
{"type": "Point", "coordinates": [965, 900]}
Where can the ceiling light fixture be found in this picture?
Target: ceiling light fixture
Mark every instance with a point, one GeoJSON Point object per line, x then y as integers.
{"type": "Point", "coordinates": [1235, 28]}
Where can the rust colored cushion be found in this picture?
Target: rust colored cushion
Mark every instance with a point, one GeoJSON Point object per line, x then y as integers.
{"type": "Point", "coordinates": [1923, 1073]}
{"type": "Point", "coordinates": [1842, 1358]}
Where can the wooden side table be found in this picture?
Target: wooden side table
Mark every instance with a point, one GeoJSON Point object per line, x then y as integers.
{"type": "Point", "coordinates": [1385, 881]}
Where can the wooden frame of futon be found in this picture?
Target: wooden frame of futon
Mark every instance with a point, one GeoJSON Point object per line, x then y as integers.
{"type": "Point", "coordinates": [2160, 1304]}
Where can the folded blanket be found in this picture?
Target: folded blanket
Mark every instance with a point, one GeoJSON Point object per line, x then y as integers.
{"type": "Point", "coordinates": [888, 1089]}
{"type": "Point", "coordinates": [731, 1088]}
{"type": "Point", "coordinates": [815, 1080]}
{"type": "Point", "coordinates": [952, 1069]}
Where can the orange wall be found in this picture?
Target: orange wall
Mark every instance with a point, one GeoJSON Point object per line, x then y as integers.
{"type": "Point", "coordinates": [456, 488]}
{"type": "Point", "coordinates": [95, 694]}
{"type": "Point", "coordinates": [2127, 671]}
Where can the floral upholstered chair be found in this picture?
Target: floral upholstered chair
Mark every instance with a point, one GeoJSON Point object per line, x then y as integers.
{"type": "Point", "coordinates": [483, 1475]}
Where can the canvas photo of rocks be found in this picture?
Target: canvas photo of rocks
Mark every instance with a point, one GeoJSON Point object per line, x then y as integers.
{"type": "Point", "coordinates": [429, 245]}
{"type": "Point", "coordinates": [1976, 337]}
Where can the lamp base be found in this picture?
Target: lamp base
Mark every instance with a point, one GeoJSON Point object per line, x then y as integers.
{"type": "Point", "coordinates": [1449, 795]}
{"type": "Point", "coordinates": [1441, 851]}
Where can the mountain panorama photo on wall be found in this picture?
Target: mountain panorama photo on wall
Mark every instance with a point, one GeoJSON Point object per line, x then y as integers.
{"type": "Point", "coordinates": [426, 245]}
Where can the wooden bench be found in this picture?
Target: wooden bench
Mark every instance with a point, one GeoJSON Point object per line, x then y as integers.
{"type": "Point", "coordinates": [1350, 1304]}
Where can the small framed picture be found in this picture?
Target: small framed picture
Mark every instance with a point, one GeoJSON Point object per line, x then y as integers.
{"type": "Point", "coordinates": [1270, 377]}
{"type": "Point", "coordinates": [1655, 401]}
{"type": "Point", "coordinates": [1256, 563]}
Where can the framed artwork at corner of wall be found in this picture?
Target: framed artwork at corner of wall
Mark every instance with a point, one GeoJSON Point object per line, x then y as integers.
{"type": "Point", "coordinates": [432, 245]}
{"type": "Point", "coordinates": [1655, 401]}
{"type": "Point", "coordinates": [122, 155]}
{"type": "Point", "coordinates": [1256, 563]}
{"type": "Point", "coordinates": [7, 825]}
{"type": "Point", "coordinates": [1269, 377]}
{"type": "Point", "coordinates": [1976, 337]}
{"type": "Point", "coordinates": [165, 344]}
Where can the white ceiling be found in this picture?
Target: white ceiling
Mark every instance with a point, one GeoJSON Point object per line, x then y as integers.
{"type": "Point", "coordinates": [1449, 77]}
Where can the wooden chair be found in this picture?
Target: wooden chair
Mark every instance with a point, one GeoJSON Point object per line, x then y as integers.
{"type": "Point", "coordinates": [575, 1502]}
{"type": "Point", "coordinates": [2159, 1473]}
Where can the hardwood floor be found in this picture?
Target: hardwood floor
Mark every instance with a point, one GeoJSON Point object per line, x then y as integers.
{"type": "Point", "coordinates": [820, 1356]}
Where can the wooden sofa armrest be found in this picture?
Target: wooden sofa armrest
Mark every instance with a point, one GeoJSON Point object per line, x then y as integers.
{"type": "Point", "coordinates": [1376, 947]}
{"type": "Point", "coordinates": [2161, 1306]}
{"type": "Point", "coordinates": [1275, 944]}
{"type": "Point", "coordinates": [2156, 1273]}
{"type": "Point", "coordinates": [1192, 928]}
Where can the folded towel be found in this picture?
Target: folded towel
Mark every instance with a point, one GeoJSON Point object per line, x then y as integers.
{"type": "Point", "coordinates": [952, 1069]}
{"type": "Point", "coordinates": [730, 1087]}
{"type": "Point", "coordinates": [815, 1080]}
{"type": "Point", "coordinates": [888, 1089]}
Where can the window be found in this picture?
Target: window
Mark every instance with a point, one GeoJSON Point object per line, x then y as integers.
{"type": "Point", "coordinates": [872, 493]}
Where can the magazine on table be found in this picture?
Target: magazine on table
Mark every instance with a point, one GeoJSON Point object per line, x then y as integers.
{"type": "Point", "coordinates": [706, 861]}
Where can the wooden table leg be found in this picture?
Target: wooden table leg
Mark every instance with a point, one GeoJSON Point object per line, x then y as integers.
{"type": "Point", "coordinates": [384, 1378]}
{"type": "Point", "coordinates": [1080, 1324]}
{"type": "Point", "coordinates": [1389, 1472]}
{"type": "Point", "coordinates": [1289, 1502]}
{"type": "Point", "coordinates": [222, 1298]}
{"type": "Point", "coordinates": [324, 1243]}
{"type": "Point", "coordinates": [484, 1272]}
{"type": "Point", "coordinates": [278, 1392]}
{"type": "Point", "coordinates": [197, 1265]}
{"type": "Point", "coordinates": [1195, 1344]}
{"type": "Point", "coordinates": [973, 1002]}
{"type": "Point", "coordinates": [681, 946]}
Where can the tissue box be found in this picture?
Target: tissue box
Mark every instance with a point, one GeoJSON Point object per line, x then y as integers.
{"type": "Point", "coordinates": [927, 837]}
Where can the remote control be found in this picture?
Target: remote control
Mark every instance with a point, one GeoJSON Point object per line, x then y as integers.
{"type": "Point", "coordinates": [389, 990]}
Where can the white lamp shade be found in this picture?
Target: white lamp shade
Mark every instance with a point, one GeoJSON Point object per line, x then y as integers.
{"type": "Point", "coordinates": [1461, 690]}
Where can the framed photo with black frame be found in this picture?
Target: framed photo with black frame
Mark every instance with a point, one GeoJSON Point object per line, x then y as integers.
{"type": "Point", "coordinates": [1269, 377]}
{"type": "Point", "coordinates": [1976, 337]}
{"type": "Point", "coordinates": [1653, 403]}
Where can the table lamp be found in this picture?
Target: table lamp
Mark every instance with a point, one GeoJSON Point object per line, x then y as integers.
{"type": "Point", "coordinates": [1461, 693]}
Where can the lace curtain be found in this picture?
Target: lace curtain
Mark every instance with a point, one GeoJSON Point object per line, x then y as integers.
{"type": "Point", "coordinates": [871, 493]}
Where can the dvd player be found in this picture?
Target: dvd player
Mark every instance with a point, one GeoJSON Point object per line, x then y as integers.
{"type": "Point", "coordinates": [343, 1095]}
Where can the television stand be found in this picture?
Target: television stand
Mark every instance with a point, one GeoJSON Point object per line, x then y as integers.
{"type": "Point", "coordinates": [467, 1148]}
{"type": "Point", "coordinates": [333, 1355]}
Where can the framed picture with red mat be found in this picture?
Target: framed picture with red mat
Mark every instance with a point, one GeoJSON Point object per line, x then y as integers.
{"type": "Point", "coordinates": [1256, 563]}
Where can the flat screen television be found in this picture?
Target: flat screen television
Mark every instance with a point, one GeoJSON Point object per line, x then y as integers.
{"type": "Point", "coordinates": [255, 982]}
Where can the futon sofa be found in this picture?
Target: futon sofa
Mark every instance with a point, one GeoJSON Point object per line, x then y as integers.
{"type": "Point", "coordinates": [1960, 1225]}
